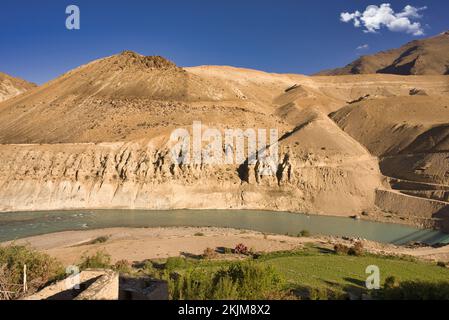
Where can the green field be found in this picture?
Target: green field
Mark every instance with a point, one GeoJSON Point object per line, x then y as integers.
{"type": "Point", "coordinates": [313, 268]}
{"type": "Point", "coordinates": [322, 270]}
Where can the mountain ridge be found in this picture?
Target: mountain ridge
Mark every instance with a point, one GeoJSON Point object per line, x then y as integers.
{"type": "Point", "coordinates": [12, 86]}
{"type": "Point", "coordinates": [428, 56]}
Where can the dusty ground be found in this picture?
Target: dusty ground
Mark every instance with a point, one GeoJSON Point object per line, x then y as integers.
{"type": "Point", "coordinates": [136, 245]}
{"type": "Point", "coordinates": [152, 243]}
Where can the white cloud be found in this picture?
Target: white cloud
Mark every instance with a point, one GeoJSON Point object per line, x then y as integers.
{"type": "Point", "coordinates": [375, 17]}
{"type": "Point", "coordinates": [363, 47]}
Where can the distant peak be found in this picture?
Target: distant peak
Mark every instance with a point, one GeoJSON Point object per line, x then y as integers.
{"type": "Point", "coordinates": [130, 58]}
{"type": "Point", "coordinates": [129, 53]}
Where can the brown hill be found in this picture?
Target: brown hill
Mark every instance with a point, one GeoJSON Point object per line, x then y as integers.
{"type": "Point", "coordinates": [420, 57]}
{"type": "Point", "coordinates": [124, 97]}
{"type": "Point", "coordinates": [398, 125]}
{"type": "Point", "coordinates": [409, 134]}
{"type": "Point", "coordinates": [129, 96]}
{"type": "Point", "coordinates": [411, 137]}
{"type": "Point", "coordinates": [11, 87]}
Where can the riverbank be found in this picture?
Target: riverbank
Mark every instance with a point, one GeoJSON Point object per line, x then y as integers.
{"type": "Point", "coordinates": [139, 244]}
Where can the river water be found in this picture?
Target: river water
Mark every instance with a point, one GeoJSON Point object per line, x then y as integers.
{"type": "Point", "coordinates": [16, 225]}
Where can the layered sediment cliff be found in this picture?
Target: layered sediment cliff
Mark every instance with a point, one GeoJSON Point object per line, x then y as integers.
{"type": "Point", "coordinates": [139, 175]}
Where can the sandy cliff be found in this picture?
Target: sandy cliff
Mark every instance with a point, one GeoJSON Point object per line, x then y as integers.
{"type": "Point", "coordinates": [140, 175]}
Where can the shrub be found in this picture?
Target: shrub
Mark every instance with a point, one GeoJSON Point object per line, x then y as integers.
{"type": "Point", "coordinates": [100, 260]}
{"type": "Point", "coordinates": [41, 269]}
{"type": "Point", "coordinates": [417, 290]}
{"type": "Point", "coordinates": [254, 281]}
{"type": "Point", "coordinates": [390, 282]}
{"type": "Point", "coordinates": [225, 289]}
{"type": "Point", "coordinates": [192, 285]}
{"type": "Point", "coordinates": [123, 266]}
{"type": "Point", "coordinates": [441, 264]}
{"type": "Point", "coordinates": [241, 249]}
{"type": "Point", "coordinates": [321, 294]}
{"type": "Point", "coordinates": [174, 263]}
{"type": "Point", "coordinates": [304, 233]}
{"type": "Point", "coordinates": [357, 250]}
{"type": "Point", "coordinates": [209, 253]}
{"type": "Point", "coordinates": [149, 269]}
{"type": "Point", "coordinates": [318, 294]}
{"type": "Point", "coordinates": [341, 249]}
{"type": "Point", "coordinates": [241, 280]}
{"type": "Point", "coordinates": [101, 239]}
{"type": "Point", "coordinates": [199, 234]}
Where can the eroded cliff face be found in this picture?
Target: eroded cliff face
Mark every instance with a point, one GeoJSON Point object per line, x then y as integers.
{"type": "Point", "coordinates": [141, 175]}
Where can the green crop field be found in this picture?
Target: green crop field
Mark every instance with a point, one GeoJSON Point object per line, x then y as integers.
{"type": "Point", "coordinates": [321, 270]}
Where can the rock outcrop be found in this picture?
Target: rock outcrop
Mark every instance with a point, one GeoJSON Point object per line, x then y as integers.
{"type": "Point", "coordinates": [11, 87]}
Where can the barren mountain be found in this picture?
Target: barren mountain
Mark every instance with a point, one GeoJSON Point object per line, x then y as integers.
{"type": "Point", "coordinates": [99, 137]}
{"type": "Point", "coordinates": [420, 57]}
{"type": "Point", "coordinates": [411, 137]}
{"type": "Point", "coordinates": [11, 87]}
{"type": "Point", "coordinates": [398, 125]}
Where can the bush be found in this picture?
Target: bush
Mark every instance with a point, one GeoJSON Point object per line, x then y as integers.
{"type": "Point", "coordinates": [174, 263]}
{"type": "Point", "coordinates": [199, 234]}
{"type": "Point", "coordinates": [123, 266]}
{"type": "Point", "coordinates": [357, 250]}
{"type": "Point", "coordinates": [341, 249]}
{"type": "Point", "coordinates": [41, 269]}
{"type": "Point", "coordinates": [99, 240]}
{"type": "Point", "coordinates": [148, 269]}
{"type": "Point", "coordinates": [254, 281]}
{"type": "Point", "coordinates": [416, 290]}
{"type": "Point", "coordinates": [238, 281]}
{"type": "Point", "coordinates": [100, 260]}
{"type": "Point", "coordinates": [390, 282]}
{"type": "Point", "coordinates": [241, 249]}
{"type": "Point", "coordinates": [441, 264]}
{"type": "Point", "coordinates": [321, 294]}
{"type": "Point", "coordinates": [304, 233]}
{"type": "Point", "coordinates": [225, 289]}
{"type": "Point", "coordinates": [209, 253]}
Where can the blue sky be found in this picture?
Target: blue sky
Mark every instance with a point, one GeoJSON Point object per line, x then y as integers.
{"type": "Point", "coordinates": [285, 36]}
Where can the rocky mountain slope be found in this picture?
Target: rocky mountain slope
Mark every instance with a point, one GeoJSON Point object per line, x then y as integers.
{"type": "Point", "coordinates": [98, 137]}
{"type": "Point", "coordinates": [420, 57]}
{"type": "Point", "coordinates": [410, 135]}
{"type": "Point", "coordinates": [11, 87]}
